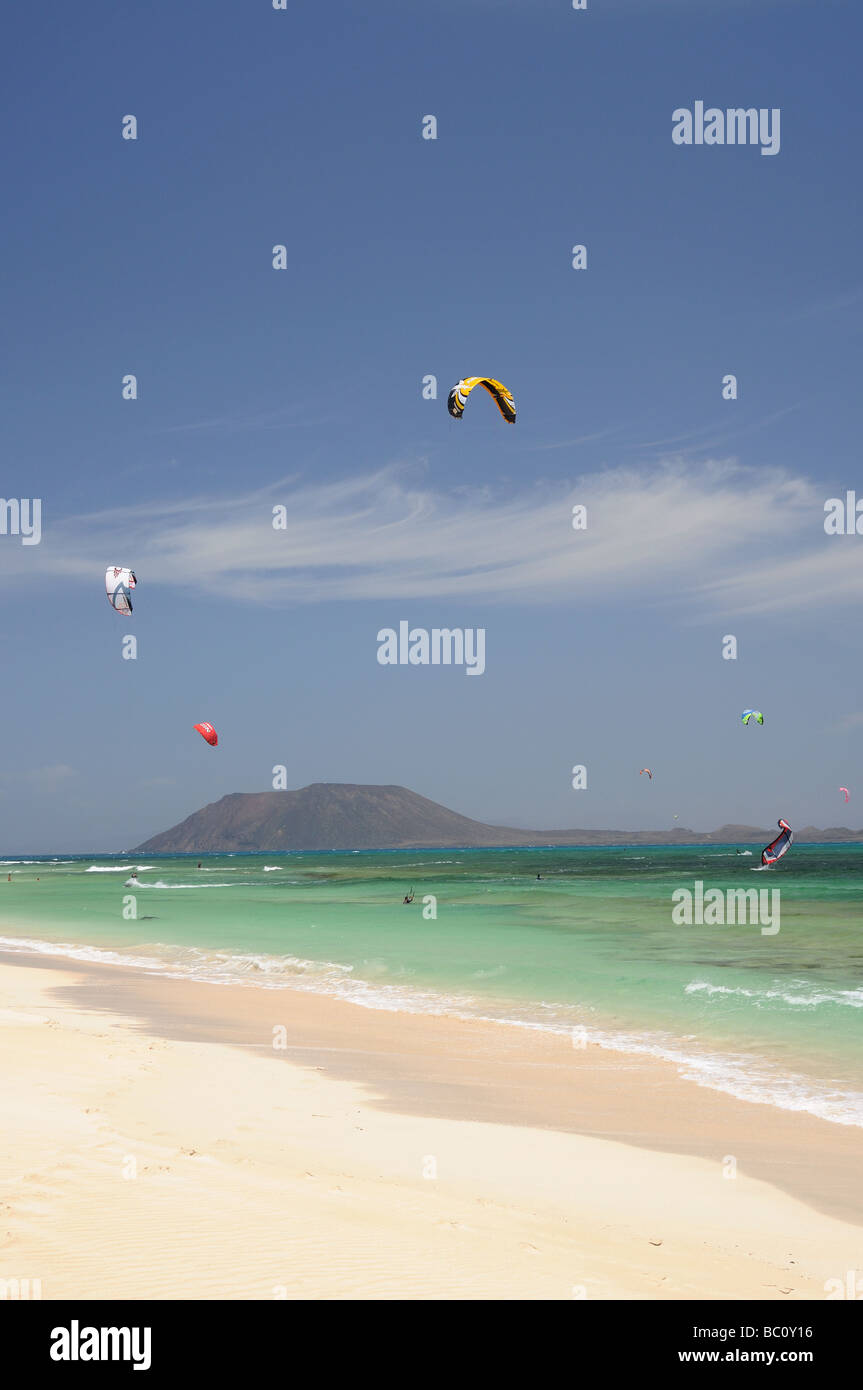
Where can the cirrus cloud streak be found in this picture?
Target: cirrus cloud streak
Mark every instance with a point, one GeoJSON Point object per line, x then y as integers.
{"type": "Point", "coordinates": [716, 536]}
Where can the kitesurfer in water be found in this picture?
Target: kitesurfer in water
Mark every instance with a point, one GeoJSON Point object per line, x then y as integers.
{"type": "Point", "coordinates": [408, 898]}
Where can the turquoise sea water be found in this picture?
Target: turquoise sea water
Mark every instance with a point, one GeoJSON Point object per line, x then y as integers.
{"type": "Point", "coordinates": [590, 949]}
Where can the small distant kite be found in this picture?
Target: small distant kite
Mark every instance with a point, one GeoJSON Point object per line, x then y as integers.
{"type": "Point", "coordinates": [208, 732]}
{"type": "Point", "coordinates": [752, 714]}
{"type": "Point", "coordinates": [781, 845]}
{"type": "Point", "coordinates": [847, 793]}
{"type": "Point", "coordinates": [457, 399]}
{"type": "Point", "coordinates": [119, 583]}
{"type": "Point", "coordinates": [647, 770]}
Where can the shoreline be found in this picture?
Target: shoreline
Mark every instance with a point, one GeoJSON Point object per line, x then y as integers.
{"type": "Point", "coordinates": [608, 1167]}
{"type": "Point", "coordinates": [453, 1068]}
{"type": "Point", "coordinates": [711, 1066]}
{"type": "Point", "coordinates": [258, 1180]}
{"type": "Point", "coordinates": [154, 1144]}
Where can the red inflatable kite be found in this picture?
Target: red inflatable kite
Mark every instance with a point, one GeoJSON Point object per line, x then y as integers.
{"type": "Point", "coordinates": [208, 732]}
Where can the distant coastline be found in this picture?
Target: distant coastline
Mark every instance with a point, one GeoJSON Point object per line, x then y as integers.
{"type": "Point", "coordinates": [335, 816]}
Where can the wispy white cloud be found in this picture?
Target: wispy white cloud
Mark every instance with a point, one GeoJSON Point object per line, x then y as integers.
{"type": "Point", "coordinates": [715, 536]}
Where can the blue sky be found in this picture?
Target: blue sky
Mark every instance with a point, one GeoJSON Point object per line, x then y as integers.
{"type": "Point", "coordinates": [409, 257]}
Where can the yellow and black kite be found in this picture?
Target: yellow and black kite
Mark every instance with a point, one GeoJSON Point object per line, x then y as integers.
{"type": "Point", "coordinates": [496, 389]}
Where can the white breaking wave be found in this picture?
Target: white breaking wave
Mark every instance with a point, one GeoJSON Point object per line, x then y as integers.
{"type": "Point", "coordinates": [135, 883]}
{"type": "Point", "coordinates": [119, 869]}
{"type": "Point", "coordinates": [806, 997]}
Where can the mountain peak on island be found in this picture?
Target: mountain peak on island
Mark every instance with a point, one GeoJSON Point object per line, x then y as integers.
{"type": "Point", "coordinates": [324, 815]}
{"type": "Point", "coordinates": [351, 815]}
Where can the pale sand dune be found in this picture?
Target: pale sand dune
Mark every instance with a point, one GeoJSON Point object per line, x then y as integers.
{"type": "Point", "coordinates": [259, 1177]}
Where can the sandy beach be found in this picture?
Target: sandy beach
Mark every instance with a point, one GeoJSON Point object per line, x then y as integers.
{"type": "Point", "coordinates": [156, 1144]}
